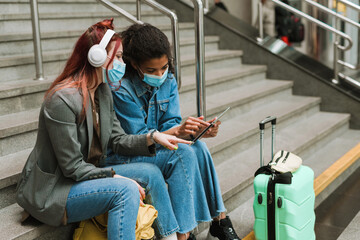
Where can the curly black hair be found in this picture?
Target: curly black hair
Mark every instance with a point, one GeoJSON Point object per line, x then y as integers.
{"type": "Point", "coordinates": [142, 42]}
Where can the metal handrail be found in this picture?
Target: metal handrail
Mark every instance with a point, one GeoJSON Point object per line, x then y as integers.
{"type": "Point", "coordinates": [319, 23]}
{"type": "Point", "coordinates": [175, 32]}
{"type": "Point", "coordinates": [199, 57]}
{"type": "Point", "coordinates": [199, 12]}
{"type": "Point", "coordinates": [261, 22]}
{"type": "Point", "coordinates": [331, 12]}
{"type": "Point", "coordinates": [120, 11]}
{"type": "Point", "coordinates": [37, 40]}
{"type": "Point", "coordinates": [350, 4]}
{"type": "Point", "coordinates": [343, 18]}
{"type": "Point", "coordinates": [337, 45]}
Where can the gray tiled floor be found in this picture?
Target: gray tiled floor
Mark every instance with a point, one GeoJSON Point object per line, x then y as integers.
{"type": "Point", "coordinates": [334, 215]}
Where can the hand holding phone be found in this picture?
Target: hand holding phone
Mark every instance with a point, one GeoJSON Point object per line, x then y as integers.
{"type": "Point", "coordinates": [208, 127]}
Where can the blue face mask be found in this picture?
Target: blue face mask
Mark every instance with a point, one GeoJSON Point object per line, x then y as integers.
{"type": "Point", "coordinates": [115, 74]}
{"type": "Point", "coordinates": [155, 81]}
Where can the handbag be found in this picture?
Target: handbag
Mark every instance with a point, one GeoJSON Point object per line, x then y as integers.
{"type": "Point", "coordinates": [285, 161]}
{"type": "Point", "coordinates": [96, 227]}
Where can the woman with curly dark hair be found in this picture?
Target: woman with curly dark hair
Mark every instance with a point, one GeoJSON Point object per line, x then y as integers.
{"type": "Point", "coordinates": [148, 101]}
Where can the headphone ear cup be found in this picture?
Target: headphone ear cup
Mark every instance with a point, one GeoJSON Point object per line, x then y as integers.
{"type": "Point", "coordinates": [97, 55]}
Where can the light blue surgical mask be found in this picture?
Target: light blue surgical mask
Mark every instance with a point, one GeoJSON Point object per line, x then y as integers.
{"type": "Point", "coordinates": [154, 80]}
{"type": "Point", "coordinates": [115, 74]}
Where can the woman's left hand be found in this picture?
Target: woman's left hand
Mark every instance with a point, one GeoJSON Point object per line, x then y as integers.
{"type": "Point", "coordinates": [168, 141]}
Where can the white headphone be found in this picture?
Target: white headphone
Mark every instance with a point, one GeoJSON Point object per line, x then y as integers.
{"type": "Point", "coordinates": [97, 54]}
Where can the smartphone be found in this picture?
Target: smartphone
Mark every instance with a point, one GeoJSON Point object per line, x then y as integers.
{"type": "Point", "coordinates": [208, 127]}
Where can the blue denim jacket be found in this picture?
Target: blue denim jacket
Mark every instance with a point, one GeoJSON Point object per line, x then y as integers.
{"type": "Point", "coordinates": [139, 109]}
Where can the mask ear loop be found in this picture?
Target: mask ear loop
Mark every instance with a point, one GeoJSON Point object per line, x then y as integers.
{"type": "Point", "coordinates": [141, 72]}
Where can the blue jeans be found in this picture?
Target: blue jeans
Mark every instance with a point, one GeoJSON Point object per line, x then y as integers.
{"type": "Point", "coordinates": [120, 197]}
{"type": "Point", "coordinates": [192, 182]}
{"type": "Point", "coordinates": [149, 176]}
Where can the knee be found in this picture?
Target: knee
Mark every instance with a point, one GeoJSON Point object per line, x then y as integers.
{"type": "Point", "coordinates": [126, 192]}
{"type": "Point", "coordinates": [186, 151]}
{"type": "Point", "coordinates": [201, 146]}
{"type": "Point", "coordinates": [153, 175]}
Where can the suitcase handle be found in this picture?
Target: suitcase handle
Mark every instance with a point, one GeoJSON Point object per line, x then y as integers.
{"type": "Point", "coordinates": [262, 129]}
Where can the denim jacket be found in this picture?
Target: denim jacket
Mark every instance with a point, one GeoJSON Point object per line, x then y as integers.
{"type": "Point", "coordinates": [141, 109]}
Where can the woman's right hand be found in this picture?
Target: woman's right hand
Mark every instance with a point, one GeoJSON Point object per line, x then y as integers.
{"type": "Point", "coordinates": [141, 189]}
{"type": "Point", "coordinates": [168, 141]}
{"type": "Point", "coordinates": [191, 126]}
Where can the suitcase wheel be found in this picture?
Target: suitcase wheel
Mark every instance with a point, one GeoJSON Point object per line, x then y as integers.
{"type": "Point", "coordinates": [260, 198]}
{"type": "Point", "coordinates": [279, 202]}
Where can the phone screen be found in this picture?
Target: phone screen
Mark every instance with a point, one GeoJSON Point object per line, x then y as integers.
{"type": "Point", "coordinates": [208, 127]}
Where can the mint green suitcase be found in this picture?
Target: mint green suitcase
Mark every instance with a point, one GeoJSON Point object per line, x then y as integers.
{"type": "Point", "coordinates": [284, 203]}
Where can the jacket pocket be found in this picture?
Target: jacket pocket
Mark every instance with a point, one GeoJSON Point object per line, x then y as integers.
{"type": "Point", "coordinates": [38, 186]}
{"type": "Point", "coordinates": [163, 105]}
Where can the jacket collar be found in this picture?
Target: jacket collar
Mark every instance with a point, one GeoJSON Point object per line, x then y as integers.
{"type": "Point", "coordinates": [140, 87]}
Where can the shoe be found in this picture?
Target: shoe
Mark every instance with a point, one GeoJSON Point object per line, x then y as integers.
{"type": "Point", "coordinates": [191, 237]}
{"type": "Point", "coordinates": [223, 230]}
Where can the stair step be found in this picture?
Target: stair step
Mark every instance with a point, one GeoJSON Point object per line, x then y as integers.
{"type": "Point", "coordinates": [63, 54]}
{"type": "Point", "coordinates": [11, 228]}
{"type": "Point", "coordinates": [18, 131]}
{"type": "Point", "coordinates": [23, 7]}
{"type": "Point", "coordinates": [77, 33]}
{"type": "Point", "coordinates": [217, 76]}
{"type": "Point", "coordinates": [17, 96]}
{"type": "Point", "coordinates": [64, 21]}
{"type": "Point", "coordinates": [12, 45]}
{"type": "Point", "coordinates": [236, 96]}
{"type": "Point", "coordinates": [21, 66]}
{"type": "Point", "coordinates": [187, 45]}
{"type": "Point", "coordinates": [240, 128]}
{"type": "Point", "coordinates": [17, 123]}
{"type": "Point", "coordinates": [12, 166]}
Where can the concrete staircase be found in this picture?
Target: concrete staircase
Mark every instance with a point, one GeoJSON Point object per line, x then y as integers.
{"type": "Point", "coordinates": [320, 138]}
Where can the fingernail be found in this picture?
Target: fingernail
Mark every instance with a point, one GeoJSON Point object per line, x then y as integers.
{"type": "Point", "coordinates": [175, 148]}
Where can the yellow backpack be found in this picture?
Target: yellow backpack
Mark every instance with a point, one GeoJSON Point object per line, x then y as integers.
{"type": "Point", "coordinates": [96, 228]}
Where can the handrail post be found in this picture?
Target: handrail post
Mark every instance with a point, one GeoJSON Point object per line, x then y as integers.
{"type": "Point", "coordinates": [206, 6]}
{"type": "Point", "coordinates": [199, 57]}
{"type": "Point", "coordinates": [335, 80]}
{"type": "Point", "coordinates": [138, 10]}
{"type": "Point", "coordinates": [176, 43]}
{"type": "Point", "coordinates": [261, 27]}
{"type": "Point", "coordinates": [37, 40]}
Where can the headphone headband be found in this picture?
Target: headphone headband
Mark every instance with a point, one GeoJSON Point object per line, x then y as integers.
{"type": "Point", "coordinates": [106, 38]}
